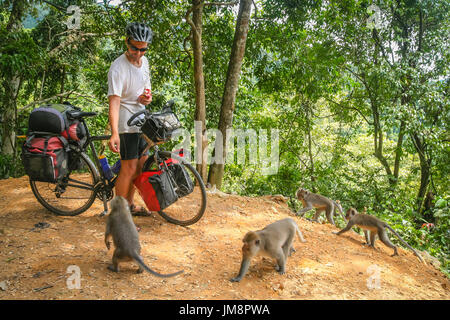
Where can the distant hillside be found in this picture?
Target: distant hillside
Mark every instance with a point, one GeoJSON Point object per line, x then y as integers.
{"type": "Point", "coordinates": [31, 20]}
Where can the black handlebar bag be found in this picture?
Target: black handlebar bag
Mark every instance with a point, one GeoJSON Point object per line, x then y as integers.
{"type": "Point", "coordinates": [159, 127]}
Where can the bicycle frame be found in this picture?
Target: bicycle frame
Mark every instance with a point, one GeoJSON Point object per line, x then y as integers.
{"type": "Point", "coordinates": [105, 184]}
{"type": "Point", "coordinates": [89, 144]}
{"type": "Point", "coordinates": [82, 161]}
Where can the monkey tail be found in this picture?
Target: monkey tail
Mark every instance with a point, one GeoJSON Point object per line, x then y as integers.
{"type": "Point", "coordinates": [338, 205]}
{"type": "Point", "coordinates": [299, 234]}
{"type": "Point", "coordinates": [139, 260]}
{"type": "Point", "coordinates": [405, 243]}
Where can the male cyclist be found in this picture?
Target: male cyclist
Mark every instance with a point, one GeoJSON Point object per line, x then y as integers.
{"type": "Point", "coordinates": [128, 76]}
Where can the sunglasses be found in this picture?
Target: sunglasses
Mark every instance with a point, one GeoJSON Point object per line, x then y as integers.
{"type": "Point", "coordinates": [136, 49]}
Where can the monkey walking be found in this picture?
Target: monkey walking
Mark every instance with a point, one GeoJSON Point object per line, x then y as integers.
{"type": "Point", "coordinates": [121, 228]}
{"type": "Point", "coordinates": [374, 226]}
{"type": "Point", "coordinates": [275, 240]}
{"type": "Point", "coordinates": [311, 200]}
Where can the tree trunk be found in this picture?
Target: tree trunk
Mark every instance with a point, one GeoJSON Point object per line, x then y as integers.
{"type": "Point", "coordinates": [378, 144]}
{"type": "Point", "coordinates": [12, 83]}
{"type": "Point", "coordinates": [425, 170]}
{"type": "Point", "coordinates": [63, 79]}
{"type": "Point", "coordinates": [231, 86]}
{"type": "Point", "coordinates": [399, 150]}
{"type": "Point", "coordinates": [311, 159]}
{"type": "Point", "coordinates": [199, 83]}
{"type": "Point", "coordinates": [378, 136]}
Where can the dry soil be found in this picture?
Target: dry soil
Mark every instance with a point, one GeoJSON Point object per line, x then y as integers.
{"type": "Point", "coordinates": [34, 262]}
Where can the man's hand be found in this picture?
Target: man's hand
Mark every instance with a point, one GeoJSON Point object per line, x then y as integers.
{"type": "Point", "coordinates": [114, 143]}
{"type": "Point", "coordinates": [145, 99]}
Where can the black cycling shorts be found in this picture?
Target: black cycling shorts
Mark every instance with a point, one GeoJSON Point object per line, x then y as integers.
{"type": "Point", "coordinates": [131, 146]}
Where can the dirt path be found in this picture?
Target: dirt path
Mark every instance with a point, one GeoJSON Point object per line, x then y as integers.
{"type": "Point", "coordinates": [33, 264]}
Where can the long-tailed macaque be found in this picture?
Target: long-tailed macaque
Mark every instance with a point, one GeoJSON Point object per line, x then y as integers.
{"type": "Point", "coordinates": [275, 240]}
{"type": "Point", "coordinates": [373, 226]}
{"type": "Point", "coordinates": [121, 228]}
{"type": "Point", "coordinates": [312, 200]}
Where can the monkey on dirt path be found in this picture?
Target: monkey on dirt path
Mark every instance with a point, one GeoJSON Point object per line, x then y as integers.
{"type": "Point", "coordinates": [312, 200]}
{"type": "Point", "coordinates": [121, 228]}
{"type": "Point", "coordinates": [374, 226]}
{"type": "Point", "coordinates": [275, 240]}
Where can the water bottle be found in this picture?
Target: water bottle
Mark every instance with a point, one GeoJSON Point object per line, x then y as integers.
{"type": "Point", "coordinates": [105, 167]}
{"type": "Point", "coordinates": [116, 167]}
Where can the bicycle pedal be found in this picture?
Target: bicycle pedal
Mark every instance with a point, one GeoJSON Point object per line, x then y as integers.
{"type": "Point", "coordinates": [104, 213]}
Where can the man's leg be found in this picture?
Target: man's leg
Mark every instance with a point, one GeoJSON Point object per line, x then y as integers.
{"type": "Point", "coordinates": [131, 164]}
{"type": "Point", "coordinates": [132, 146]}
{"type": "Point", "coordinates": [124, 183]}
{"type": "Point", "coordinates": [130, 195]}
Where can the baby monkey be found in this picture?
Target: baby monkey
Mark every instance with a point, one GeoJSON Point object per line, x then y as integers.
{"type": "Point", "coordinates": [275, 240]}
{"type": "Point", "coordinates": [374, 226]}
{"type": "Point", "coordinates": [121, 228]}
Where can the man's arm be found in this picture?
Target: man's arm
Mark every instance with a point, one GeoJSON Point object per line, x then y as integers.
{"type": "Point", "coordinates": [114, 106]}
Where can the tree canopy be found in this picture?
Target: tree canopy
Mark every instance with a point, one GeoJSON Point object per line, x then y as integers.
{"type": "Point", "coordinates": [357, 92]}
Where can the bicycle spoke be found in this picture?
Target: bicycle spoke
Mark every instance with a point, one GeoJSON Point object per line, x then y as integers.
{"type": "Point", "coordinates": [72, 196]}
{"type": "Point", "coordinates": [66, 198]}
{"type": "Point", "coordinates": [91, 186]}
{"type": "Point", "coordinates": [189, 208]}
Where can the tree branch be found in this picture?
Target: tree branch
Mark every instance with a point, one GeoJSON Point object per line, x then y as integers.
{"type": "Point", "coordinates": [71, 38]}
{"type": "Point", "coordinates": [378, 42]}
{"type": "Point", "coordinates": [352, 108]}
{"type": "Point", "coordinates": [55, 5]}
{"type": "Point", "coordinates": [188, 13]}
{"type": "Point", "coordinates": [221, 3]}
{"type": "Point", "coordinates": [68, 93]}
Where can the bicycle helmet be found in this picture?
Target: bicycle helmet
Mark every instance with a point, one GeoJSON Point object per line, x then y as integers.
{"type": "Point", "coordinates": [139, 32]}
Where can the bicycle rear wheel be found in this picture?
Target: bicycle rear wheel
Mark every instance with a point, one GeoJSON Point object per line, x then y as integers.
{"type": "Point", "coordinates": [189, 209]}
{"type": "Point", "coordinates": [74, 194]}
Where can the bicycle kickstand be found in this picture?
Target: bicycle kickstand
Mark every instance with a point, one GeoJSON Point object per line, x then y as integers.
{"type": "Point", "coordinates": [105, 206]}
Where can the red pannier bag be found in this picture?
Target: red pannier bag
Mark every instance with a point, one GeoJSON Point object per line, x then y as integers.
{"type": "Point", "coordinates": [160, 188]}
{"type": "Point", "coordinates": [156, 189]}
{"type": "Point", "coordinates": [45, 158]}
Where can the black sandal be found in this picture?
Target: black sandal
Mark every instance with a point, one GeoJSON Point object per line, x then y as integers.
{"type": "Point", "coordinates": [139, 213]}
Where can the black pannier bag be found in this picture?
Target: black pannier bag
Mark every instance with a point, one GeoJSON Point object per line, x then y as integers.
{"type": "Point", "coordinates": [45, 158]}
{"type": "Point", "coordinates": [74, 161]}
{"type": "Point", "coordinates": [163, 187]}
{"type": "Point", "coordinates": [159, 127]}
{"type": "Point", "coordinates": [184, 183]}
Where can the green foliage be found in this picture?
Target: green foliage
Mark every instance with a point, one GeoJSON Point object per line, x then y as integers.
{"type": "Point", "coordinates": [10, 167]}
{"type": "Point", "coordinates": [315, 70]}
{"type": "Point", "coordinates": [19, 53]}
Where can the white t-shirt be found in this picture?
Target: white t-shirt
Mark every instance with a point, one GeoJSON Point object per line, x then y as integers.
{"type": "Point", "coordinates": [128, 82]}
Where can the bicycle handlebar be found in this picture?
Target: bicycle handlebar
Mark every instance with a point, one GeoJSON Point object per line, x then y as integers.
{"type": "Point", "coordinates": [131, 121]}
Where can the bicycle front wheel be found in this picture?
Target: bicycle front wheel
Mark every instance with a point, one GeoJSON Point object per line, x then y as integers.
{"type": "Point", "coordinates": [188, 209]}
{"type": "Point", "coordinates": [74, 194]}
